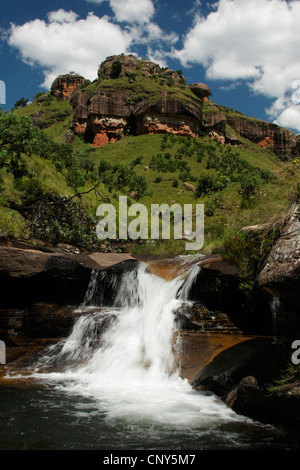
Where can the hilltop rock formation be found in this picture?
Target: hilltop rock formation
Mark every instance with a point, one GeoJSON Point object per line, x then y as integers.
{"type": "Point", "coordinates": [136, 96]}
{"type": "Point", "coordinates": [201, 90]}
{"type": "Point", "coordinates": [64, 85]}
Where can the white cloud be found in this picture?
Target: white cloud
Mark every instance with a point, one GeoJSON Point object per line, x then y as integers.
{"type": "Point", "coordinates": [285, 111]}
{"type": "Point", "coordinates": [289, 117]}
{"type": "Point", "coordinates": [130, 11]}
{"type": "Point", "coordinates": [254, 40]}
{"type": "Point", "coordinates": [66, 44]}
{"type": "Point", "coordinates": [62, 16]}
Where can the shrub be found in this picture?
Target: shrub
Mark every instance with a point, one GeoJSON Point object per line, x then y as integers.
{"type": "Point", "coordinates": [250, 183]}
{"type": "Point", "coordinates": [116, 69]}
{"type": "Point", "coordinates": [210, 181]}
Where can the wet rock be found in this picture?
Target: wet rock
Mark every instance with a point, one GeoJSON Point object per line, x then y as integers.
{"type": "Point", "coordinates": [29, 276]}
{"type": "Point", "coordinates": [280, 274]}
{"type": "Point", "coordinates": [249, 399]}
{"type": "Point", "coordinates": [55, 276]}
{"type": "Point", "coordinates": [255, 357]}
{"type": "Point", "coordinates": [40, 292]}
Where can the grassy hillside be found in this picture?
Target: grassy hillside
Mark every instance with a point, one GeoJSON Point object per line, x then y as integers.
{"type": "Point", "coordinates": [149, 89]}
{"type": "Point", "coordinates": [240, 186]}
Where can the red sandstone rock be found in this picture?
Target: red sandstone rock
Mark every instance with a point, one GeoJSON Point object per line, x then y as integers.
{"type": "Point", "coordinates": [281, 141]}
{"type": "Point", "coordinates": [64, 85]}
{"type": "Point", "coordinates": [201, 90]}
{"type": "Point", "coordinates": [106, 113]}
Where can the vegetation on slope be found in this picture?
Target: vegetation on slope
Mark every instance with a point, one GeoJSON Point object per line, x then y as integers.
{"type": "Point", "coordinates": [141, 88]}
{"type": "Point", "coordinates": [239, 186]}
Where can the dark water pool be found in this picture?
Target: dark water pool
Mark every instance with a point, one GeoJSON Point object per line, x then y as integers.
{"type": "Point", "coordinates": [44, 418]}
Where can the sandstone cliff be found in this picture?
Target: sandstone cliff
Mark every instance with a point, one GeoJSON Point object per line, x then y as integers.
{"type": "Point", "coordinates": [267, 135]}
{"type": "Point", "coordinates": [134, 96]}
{"type": "Point", "coordinates": [64, 85]}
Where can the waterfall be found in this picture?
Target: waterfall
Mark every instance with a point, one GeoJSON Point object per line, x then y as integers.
{"type": "Point", "coordinates": [275, 305]}
{"type": "Point", "coordinates": [122, 355]}
{"type": "Point", "coordinates": [133, 337]}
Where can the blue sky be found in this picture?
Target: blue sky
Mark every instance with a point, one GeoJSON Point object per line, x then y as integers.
{"type": "Point", "coordinates": [247, 51]}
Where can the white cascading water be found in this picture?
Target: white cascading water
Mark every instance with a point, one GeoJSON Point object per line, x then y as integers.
{"type": "Point", "coordinates": [131, 371]}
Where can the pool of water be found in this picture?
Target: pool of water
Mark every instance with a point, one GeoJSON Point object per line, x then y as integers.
{"type": "Point", "coordinates": [42, 417]}
{"type": "Point", "coordinates": [118, 390]}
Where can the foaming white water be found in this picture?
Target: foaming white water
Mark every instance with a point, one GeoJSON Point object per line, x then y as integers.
{"type": "Point", "coordinates": [131, 371]}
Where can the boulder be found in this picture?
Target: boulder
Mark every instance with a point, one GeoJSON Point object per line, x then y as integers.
{"type": "Point", "coordinates": [255, 356]}
{"type": "Point", "coordinates": [64, 85]}
{"type": "Point", "coordinates": [201, 90]}
{"type": "Point", "coordinates": [281, 409]}
{"type": "Point", "coordinates": [189, 187]}
{"type": "Point", "coordinates": [280, 274]}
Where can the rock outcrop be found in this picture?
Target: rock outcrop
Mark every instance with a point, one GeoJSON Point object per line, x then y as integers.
{"type": "Point", "coordinates": [64, 85]}
{"type": "Point", "coordinates": [265, 134]}
{"type": "Point", "coordinates": [280, 275]}
{"type": "Point", "coordinates": [40, 291]}
{"type": "Point", "coordinates": [281, 409]}
{"type": "Point", "coordinates": [134, 96]}
{"type": "Point", "coordinates": [201, 90]}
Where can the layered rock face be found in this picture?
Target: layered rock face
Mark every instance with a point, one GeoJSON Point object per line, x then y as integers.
{"type": "Point", "coordinates": [136, 97]}
{"type": "Point", "coordinates": [267, 135]}
{"type": "Point", "coordinates": [102, 118]}
{"type": "Point", "coordinates": [281, 273]}
{"type": "Point", "coordinates": [64, 85]}
{"type": "Point", "coordinates": [130, 97]}
{"type": "Point", "coordinates": [168, 115]}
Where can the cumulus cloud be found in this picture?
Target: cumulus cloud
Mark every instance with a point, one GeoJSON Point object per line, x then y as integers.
{"type": "Point", "coordinates": [130, 11]}
{"type": "Point", "coordinates": [65, 43]}
{"type": "Point", "coordinates": [62, 16]}
{"type": "Point", "coordinates": [254, 40]}
{"type": "Point", "coordinates": [285, 111]}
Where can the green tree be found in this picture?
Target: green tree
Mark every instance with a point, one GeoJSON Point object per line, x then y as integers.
{"type": "Point", "coordinates": [21, 103]}
{"type": "Point", "coordinates": [116, 69]}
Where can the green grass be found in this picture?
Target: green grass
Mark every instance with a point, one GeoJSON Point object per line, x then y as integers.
{"type": "Point", "coordinates": [232, 211]}
{"type": "Point", "coordinates": [227, 211]}
{"type": "Point", "coordinates": [52, 115]}
{"type": "Point", "coordinates": [150, 89]}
